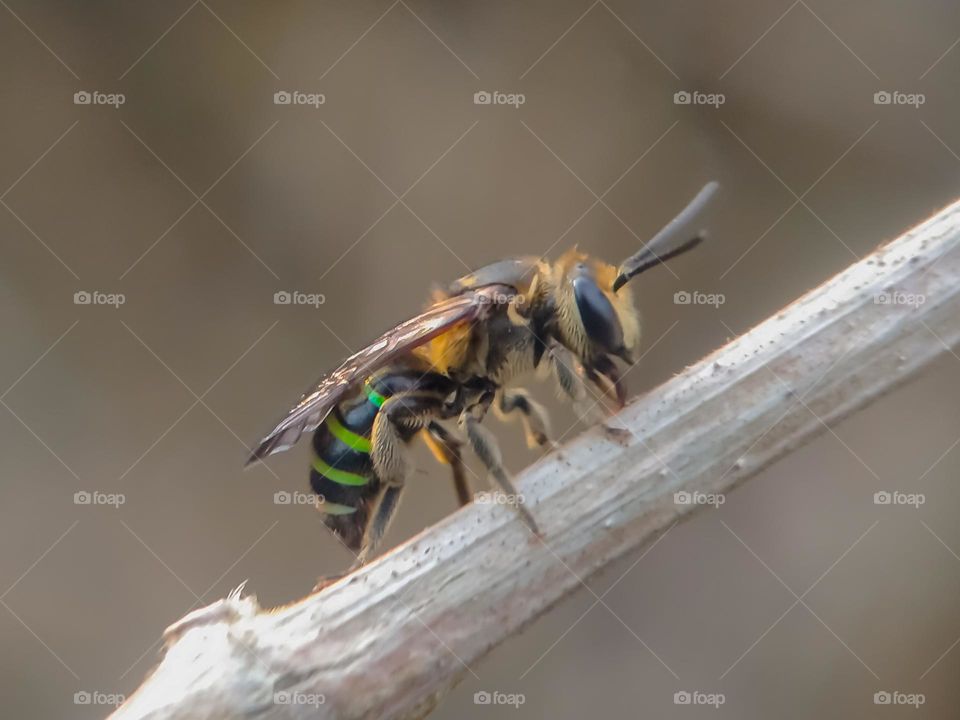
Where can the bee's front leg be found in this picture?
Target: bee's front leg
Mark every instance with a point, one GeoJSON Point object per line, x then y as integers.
{"type": "Point", "coordinates": [612, 383]}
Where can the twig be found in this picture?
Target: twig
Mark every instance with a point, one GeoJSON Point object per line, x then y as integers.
{"type": "Point", "coordinates": [388, 641]}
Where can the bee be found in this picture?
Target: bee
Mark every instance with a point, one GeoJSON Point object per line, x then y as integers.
{"type": "Point", "coordinates": [456, 360]}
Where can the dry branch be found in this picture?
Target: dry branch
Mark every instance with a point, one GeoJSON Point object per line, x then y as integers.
{"type": "Point", "coordinates": [388, 641]}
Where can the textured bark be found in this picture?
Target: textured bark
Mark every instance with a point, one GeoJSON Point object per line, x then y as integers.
{"type": "Point", "coordinates": [388, 641]}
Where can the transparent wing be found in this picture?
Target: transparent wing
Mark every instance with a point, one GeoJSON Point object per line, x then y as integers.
{"type": "Point", "coordinates": [322, 397]}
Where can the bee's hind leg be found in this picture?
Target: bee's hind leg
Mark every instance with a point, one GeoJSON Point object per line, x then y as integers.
{"type": "Point", "coordinates": [485, 446]}
{"type": "Point", "coordinates": [401, 415]}
{"type": "Point", "coordinates": [385, 509]}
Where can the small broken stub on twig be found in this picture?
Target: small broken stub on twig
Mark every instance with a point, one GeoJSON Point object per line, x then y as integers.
{"type": "Point", "coordinates": [225, 610]}
{"type": "Point", "coordinates": [616, 434]}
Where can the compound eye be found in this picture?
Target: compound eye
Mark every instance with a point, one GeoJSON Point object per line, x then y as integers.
{"type": "Point", "coordinates": [597, 315]}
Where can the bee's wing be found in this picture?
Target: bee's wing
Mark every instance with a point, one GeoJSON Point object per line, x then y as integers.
{"type": "Point", "coordinates": [321, 398]}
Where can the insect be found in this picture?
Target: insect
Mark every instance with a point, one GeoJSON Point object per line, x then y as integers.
{"type": "Point", "coordinates": [456, 360]}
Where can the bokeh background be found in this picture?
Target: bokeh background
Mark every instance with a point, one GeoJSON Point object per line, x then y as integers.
{"type": "Point", "coordinates": [199, 198]}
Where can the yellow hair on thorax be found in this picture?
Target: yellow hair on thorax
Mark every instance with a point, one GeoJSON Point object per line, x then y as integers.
{"type": "Point", "coordinates": [448, 349]}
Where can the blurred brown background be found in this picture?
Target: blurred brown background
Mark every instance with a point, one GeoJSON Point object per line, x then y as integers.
{"type": "Point", "coordinates": [158, 398]}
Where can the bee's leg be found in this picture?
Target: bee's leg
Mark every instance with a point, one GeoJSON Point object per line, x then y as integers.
{"type": "Point", "coordinates": [611, 384]}
{"type": "Point", "coordinates": [486, 448]}
{"type": "Point", "coordinates": [574, 386]}
{"type": "Point", "coordinates": [564, 367]}
{"type": "Point", "coordinates": [400, 417]}
{"type": "Point", "coordinates": [536, 422]}
{"type": "Point", "coordinates": [445, 447]}
{"type": "Point", "coordinates": [385, 509]}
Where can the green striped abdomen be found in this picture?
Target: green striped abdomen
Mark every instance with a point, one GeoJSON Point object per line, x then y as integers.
{"type": "Point", "coordinates": [342, 471]}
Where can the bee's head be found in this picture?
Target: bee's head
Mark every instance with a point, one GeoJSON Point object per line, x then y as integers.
{"type": "Point", "coordinates": [595, 321]}
{"type": "Point", "coordinates": [592, 320]}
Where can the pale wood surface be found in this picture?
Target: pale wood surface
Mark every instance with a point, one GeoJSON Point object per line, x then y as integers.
{"type": "Point", "coordinates": [388, 641]}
